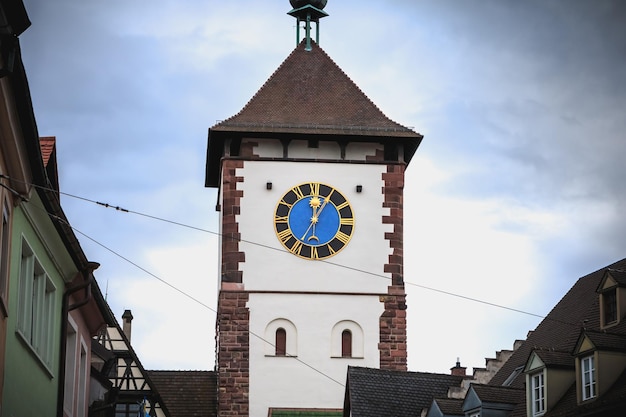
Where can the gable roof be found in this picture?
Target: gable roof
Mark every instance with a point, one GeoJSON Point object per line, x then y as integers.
{"type": "Point", "coordinates": [449, 406]}
{"type": "Point", "coordinates": [603, 341]}
{"type": "Point", "coordinates": [618, 275]}
{"type": "Point", "coordinates": [187, 393]}
{"type": "Point", "coordinates": [377, 392]}
{"type": "Point", "coordinates": [308, 96]}
{"type": "Point", "coordinates": [555, 359]}
{"type": "Point", "coordinates": [497, 394]}
{"type": "Point", "coordinates": [560, 329]}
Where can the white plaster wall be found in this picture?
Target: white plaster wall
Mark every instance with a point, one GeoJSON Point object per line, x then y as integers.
{"type": "Point", "coordinates": [359, 151]}
{"type": "Point", "coordinates": [267, 148]}
{"type": "Point", "coordinates": [325, 150]}
{"type": "Point", "coordinates": [306, 381]}
{"type": "Point", "coordinates": [269, 267]}
{"type": "Point", "coordinates": [355, 151]}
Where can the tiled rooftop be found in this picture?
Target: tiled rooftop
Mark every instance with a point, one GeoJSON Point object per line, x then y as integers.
{"type": "Point", "coordinates": [187, 393]}
{"type": "Point", "coordinates": [560, 330]}
{"type": "Point", "coordinates": [310, 93]}
{"type": "Point", "coordinates": [376, 392]}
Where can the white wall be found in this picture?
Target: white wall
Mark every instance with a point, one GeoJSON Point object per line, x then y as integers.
{"type": "Point", "coordinates": [307, 381]}
{"type": "Point", "coordinates": [268, 266]}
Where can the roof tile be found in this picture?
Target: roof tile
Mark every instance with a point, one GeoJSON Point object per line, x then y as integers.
{"type": "Point", "coordinates": [187, 393]}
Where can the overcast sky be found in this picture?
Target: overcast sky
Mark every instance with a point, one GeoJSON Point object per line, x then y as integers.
{"type": "Point", "coordinates": [516, 191]}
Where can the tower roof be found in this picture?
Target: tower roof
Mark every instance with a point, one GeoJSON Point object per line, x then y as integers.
{"type": "Point", "coordinates": [308, 96]}
{"type": "Point", "coordinates": [310, 92]}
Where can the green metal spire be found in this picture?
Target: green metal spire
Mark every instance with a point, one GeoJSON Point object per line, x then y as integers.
{"type": "Point", "coordinates": [308, 11]}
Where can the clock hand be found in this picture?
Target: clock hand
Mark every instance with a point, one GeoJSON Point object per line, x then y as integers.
{"type": "Point", "coordinates": [322, 207]}
{"type": "Point", "coordinates": [314, 219]}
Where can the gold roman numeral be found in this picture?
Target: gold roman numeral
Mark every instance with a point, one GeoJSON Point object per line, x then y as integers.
{"type": "Point", "coordinates": [342, 205]}
{"type": "Point", "coordinates": [314, 254]}
{"type": "Point", "coordinates": [342, 237]}
{"type": "Point", "coordinates": [315, 188]}
{"type": "Point", "coordinates": [284, 235]}
{"type": "Point", "coordinates": [296, 248]}
{"type": "Point", "coordinates": [298, 192]}
{"type": "Point", "coordinates": [281, 219]}
{"type": "Point", "coordinates": [346, 221]}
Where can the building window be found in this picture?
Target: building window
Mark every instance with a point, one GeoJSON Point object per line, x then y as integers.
{"type": "Point", "coordinates": [609, 305]}
{"type": "Point", "coordinates": [281, 339]}
{"type": "Point", "coordinates": [83, 376]}
{"type": "Point", "coordinates": [281, 342]}
{"type": "Point", "coordinates": [71, 344]}
{"type": "Point", "coordinates": [538, 394]}
{"type": "Point", "coordinates": [36, 306]}
{"type": "Point", "coordinates": [346, 344]}
{"type": "Point", "coordinates": [588, 378]}
{"type": "Point", "coordinates": [4, 257]}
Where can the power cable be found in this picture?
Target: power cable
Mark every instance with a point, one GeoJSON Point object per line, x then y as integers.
{"type": "Point", "coordinates": [424, 287]}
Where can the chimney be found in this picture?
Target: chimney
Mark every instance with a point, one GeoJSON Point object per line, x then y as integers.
{"type": "Point", "coordinates": [127, 318]}
{"type": "Point", "coordinates": [458, 370]}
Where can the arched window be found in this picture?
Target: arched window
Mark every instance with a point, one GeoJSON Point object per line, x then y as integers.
{"type": "Point", "coordinates": [346, 344]}
{"type": "Point", "coordinates": [281, 339]}
{"type": "Point", "coordinates": [281, 342]}
{"type": "Point", "coordinates": [347, 340]}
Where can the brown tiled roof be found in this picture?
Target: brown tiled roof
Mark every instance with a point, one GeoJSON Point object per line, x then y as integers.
{"type": "Point", "coordinates": [498, 394]}
{"type": "Point", "coordinates": [450, 406]}
{"type": "Point", "coordinates": [555, 359]}
{"type": "Point", "coordinates": [607, 341]}
{"type": "Point", "coordinates": [576, 315]}
{"type": "Point", "coordinates": [309, 92]}
{"type": "Point", "coordinates": [187, 393]}
{"type": "Point", "coordinates": [618, 275]}
{"type": "Point", "coordinates": [308, 96]}
{"type": "Point", "coordinates": [561, 328]}
{"type": "Point", "coordinates": [375, 392]}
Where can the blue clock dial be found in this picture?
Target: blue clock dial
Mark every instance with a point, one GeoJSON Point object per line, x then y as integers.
{"type": "Point", "coordinates": [313, 221]}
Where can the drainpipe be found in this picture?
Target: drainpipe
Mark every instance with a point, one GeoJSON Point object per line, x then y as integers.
{"type": "Point", "coordinates": [87, 274]}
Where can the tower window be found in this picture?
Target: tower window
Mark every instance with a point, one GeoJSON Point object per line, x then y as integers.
{"type": "Point", "coordinates": [609, 305]}
{"type": "Point", "coordinates": [346, 344]}
{"type": "Point", "coordinates": [281, 342]}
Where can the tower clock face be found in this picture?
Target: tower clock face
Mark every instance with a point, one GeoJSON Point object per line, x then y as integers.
{"type": "Point", "coordinates": [314, 221]}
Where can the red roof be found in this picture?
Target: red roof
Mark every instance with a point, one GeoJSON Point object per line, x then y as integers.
{"type": "Point", "coordinates": [46, 144]}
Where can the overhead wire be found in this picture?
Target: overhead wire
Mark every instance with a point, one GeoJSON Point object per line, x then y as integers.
{"type": "Point", "coordinates": [214, 310]}
{"type": "Point", "coordinates": [374, 274]}
{"type": "Point", "coordinates": [183, 293]}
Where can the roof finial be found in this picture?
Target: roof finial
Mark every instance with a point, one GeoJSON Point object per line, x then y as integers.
{"type": "Point", "coordinates": [308, 11]}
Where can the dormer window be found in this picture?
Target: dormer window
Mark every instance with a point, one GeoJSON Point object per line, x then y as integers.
{"type": "Point", "coordinates": [588, 377]}
{"type": "Point", "coordinates": [612, 295]}
{"type": "Point", "coordinates": [609, 305]}
{"type": "Point", "coordinates": [538, 398]}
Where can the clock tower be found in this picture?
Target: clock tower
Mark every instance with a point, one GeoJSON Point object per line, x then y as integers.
{"type": "Point", "coordinates": [310, 177]}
